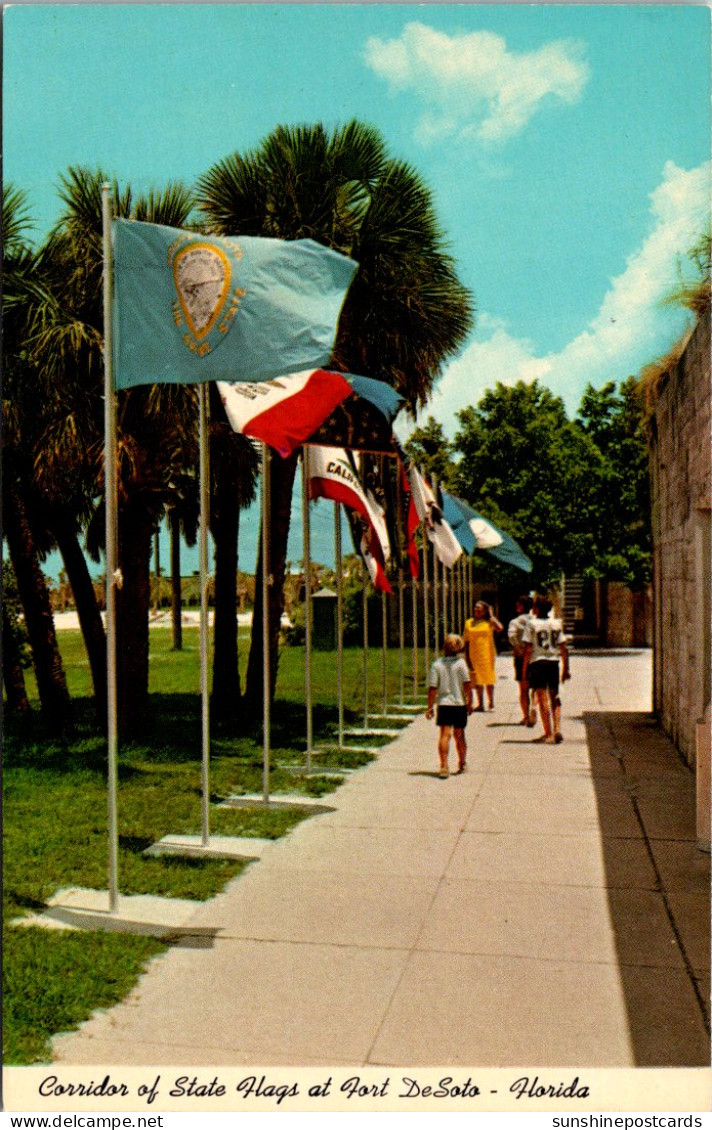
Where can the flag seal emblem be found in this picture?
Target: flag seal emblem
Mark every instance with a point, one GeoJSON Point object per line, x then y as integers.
{"type": "Point", "coordinates": [207, 301]}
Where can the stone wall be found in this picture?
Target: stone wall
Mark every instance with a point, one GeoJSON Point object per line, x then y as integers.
{"type": "Point", "coordinates": [680, 475]}
{"type": "Point", "coordinates": [628, 616]}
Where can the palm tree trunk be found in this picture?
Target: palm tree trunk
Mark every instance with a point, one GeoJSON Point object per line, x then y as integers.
{"type": "Point", "coordinates": [17, 701]}
{"type": "Point", "coordinates": [226, 673]}
{"type": "Point", "coordinates": [34, 595]}
{"type": "Point", "coordinates": [283, 473]}
{"type": "Point", "coordinates": [176, 596]}
{"type": "Point", "coordinates": [87, 609]}
{"type": "Point", "coordinates": [132, 612]}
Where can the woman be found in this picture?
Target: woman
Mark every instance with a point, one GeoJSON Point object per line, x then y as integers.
{"type": "Point", "coordinates": [480, 651]}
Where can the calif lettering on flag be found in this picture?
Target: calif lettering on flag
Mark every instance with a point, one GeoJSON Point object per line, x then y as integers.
{"type": "Point", "coordinates": [334, 474]}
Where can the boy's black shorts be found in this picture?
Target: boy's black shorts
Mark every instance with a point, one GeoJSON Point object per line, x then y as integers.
{"type": "Point", "coordinates": [544, 675]}
{"type": "Point", "coordinates": [452, 716]}
{"type": "Point", "coordinates": [518, 666]}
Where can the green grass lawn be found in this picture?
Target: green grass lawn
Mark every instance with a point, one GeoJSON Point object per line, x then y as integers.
{"type": "Point", "coordinates": [55, 818]}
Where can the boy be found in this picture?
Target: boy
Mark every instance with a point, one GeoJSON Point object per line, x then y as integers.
{"type": "Point", "coordinates": [515, 632]}
{"type": "Point", "coordinates": [544, 645]}
{"type": "Point", "coordinates": [450, 685]}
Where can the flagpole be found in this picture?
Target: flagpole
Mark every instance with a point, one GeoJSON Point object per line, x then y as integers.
{"type": "Point", "coordinates": [426, 608]}
{"type": "Point", "coordinates": [265, 622]}
{"type": "Point", "coordinates": [112, 579]}
{"type": "Point", "coordinates": [203, 567]}
{"type": "Point", "coordinates": [445, 593]}
{"type": "Point", "coordinates": [401, 637]}
{"type": "Point", "coordinates": [365, 646]}
{"type": "Point", "coordinates": [436, 582]}
{"type": "Point", "coordinates": [384, 632]}
{"type": "Point", "coordinates": [436, 600]}
{"type": "Point", "coordinates": [414, 605]}
{"type": "Point", "coordinates": [307, 603]}
{"type": "Point", "coordinates": [339, 622]}
{"type": "Point", "coordinates": [401, 527]}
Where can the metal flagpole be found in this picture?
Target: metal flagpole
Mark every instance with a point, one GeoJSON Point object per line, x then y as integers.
{"type": "Point", "coordinates": [265, 621]}
{"type": "Point", "coordinates": [401, 637]}
{"type": "Point", "coordinates": [469, 587]}
{"type": "Point", "coordinates": [436, 601]}
{"type": "Point", "coordinates": [203, 566]}
{"type": "Point", "coordinates": [112, 577]}
{"type": "Point", "coordinates": [402, 535]}
{"type": "Point", "coordinates": [456, 591]}
{"type": "Point", "coordinates": [426, 607]}
{"type": "Point", "coordinates": [445, 595]}
{"type": "Point", "coordinates": [414, 606]}
{"type": "Point", "coordinates": [307, 604]}
{"type": "Point", "coordinates": [436, 584]}
{"type": "Point", "coordinates": [339, 622]}
{"type": "Point", "coordinates": [384, 633]}
{"type": "Point", "coordinates": [365, 646]}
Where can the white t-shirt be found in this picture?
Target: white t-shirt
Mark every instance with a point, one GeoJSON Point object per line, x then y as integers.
{"type": "Point", "coordinates": [546, 637]}
{"type": "Point", "coordinates": [448, 674]}
{"type": "Point", "coordinates": [515, 631]}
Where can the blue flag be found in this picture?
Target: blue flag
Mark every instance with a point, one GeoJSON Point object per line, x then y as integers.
{"type": "Point", "coordinates": [475, 532]}
{"type": "Point", "coordinates": [190, 308]}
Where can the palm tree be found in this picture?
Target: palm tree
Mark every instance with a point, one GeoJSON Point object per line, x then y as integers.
{"type": "Point", "coordinates": [406, 311]}
{"type": "Point", "coordinates": [24, 527]}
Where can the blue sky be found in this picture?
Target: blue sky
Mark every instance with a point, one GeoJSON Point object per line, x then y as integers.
{"type": "Point", "coordinates": [567, 146]}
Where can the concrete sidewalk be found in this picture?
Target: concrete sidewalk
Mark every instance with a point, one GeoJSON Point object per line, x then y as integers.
{"type": "Point", "coordinates": [547, 907]}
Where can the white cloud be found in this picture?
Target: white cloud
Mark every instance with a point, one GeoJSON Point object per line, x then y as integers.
{"type": "Point", "coordinates": [630, 328]}
{"type": "Point", "coordinates": [474, 85]}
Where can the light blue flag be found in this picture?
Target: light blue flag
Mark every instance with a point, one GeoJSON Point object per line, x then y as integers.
{"type": "Point", "coordinates": [190, 308]}
{"type": "Point", "coordinates": [475, 532]}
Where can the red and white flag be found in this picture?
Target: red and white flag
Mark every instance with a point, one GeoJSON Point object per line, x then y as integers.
{"type": "Point", "coordinates": [411, 521]}
{"type": "Point", "coordinates": [333, 474]}
{"type": "Point", "coordinates": [430, 514]}
{"type": "Point", "coordinates": [283, 413]}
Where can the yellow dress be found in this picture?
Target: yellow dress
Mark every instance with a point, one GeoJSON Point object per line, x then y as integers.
{"type": "Point", "coordinates": [479, 642]}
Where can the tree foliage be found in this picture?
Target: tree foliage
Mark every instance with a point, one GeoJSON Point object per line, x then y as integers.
{"type": "Point", "coordinates": [574, 493]}
{"type": "Point", "coordinates": [431, 451]}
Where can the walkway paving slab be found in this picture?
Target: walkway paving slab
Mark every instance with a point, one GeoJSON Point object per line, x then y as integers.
{"type": "Point", "coordinates": [585, 860]}
{"type": "Point", "coordinates": [548, 907]}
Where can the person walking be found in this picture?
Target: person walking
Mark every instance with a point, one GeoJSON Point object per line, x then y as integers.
{"type": "Point", "coordinates": [544, 645]}
{"type": "Point", "coordinates": [480, 651]}
{"type": "Point", "coordinates": [449, 686]}
{"type": "Point", "coordinates": [515, 634]}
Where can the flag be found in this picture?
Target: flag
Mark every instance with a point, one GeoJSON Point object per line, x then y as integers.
{"type": "Point", "coordinates": [409, 514]}
{"type": "Point", "coordinates": [295, 409]}
{"type": "Point", "coordinates": [475, 532]}
{"type": "Point", "coordinates": [370, 552]}
{"type": "Point", "coordinates": [411, 521]}
{"type": "Point", "coordinates": [190, 308]}
{"type": "Point", "coordinates": [333, 474]}
{"type": "Point", "coordinates": [444, 542]}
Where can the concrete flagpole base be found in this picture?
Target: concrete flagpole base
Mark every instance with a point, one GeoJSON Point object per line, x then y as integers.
{"type": "Point", "coordinates": [371, 731]}
{"type": "Point", "coordinates": [282, 800]}
{"type": "Point", "coordinates": [79, 908]}
{"type": "Point", "coordinates": [218, 847]}
{"type": "Point", "coordinates": [315, 770]}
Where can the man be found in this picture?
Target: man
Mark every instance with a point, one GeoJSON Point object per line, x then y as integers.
{"type": "Point", "coordinates": [515, 632]}
{"type": "Point", "coordinates": [544, 646]}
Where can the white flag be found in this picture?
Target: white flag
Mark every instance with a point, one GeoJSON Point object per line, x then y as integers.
{"type": "Point", "coordinates": [439, 532]}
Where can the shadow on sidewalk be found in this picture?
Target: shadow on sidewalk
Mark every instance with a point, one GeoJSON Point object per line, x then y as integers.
{"type": "Point", "coordinates": [658, 885]}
